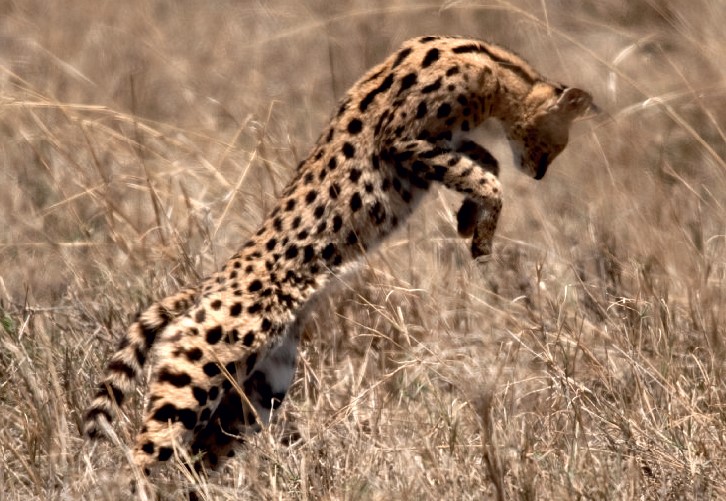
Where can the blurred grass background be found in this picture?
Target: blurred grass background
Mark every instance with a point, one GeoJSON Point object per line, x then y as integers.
{"type": "Point", "coordinates": [143, 141]}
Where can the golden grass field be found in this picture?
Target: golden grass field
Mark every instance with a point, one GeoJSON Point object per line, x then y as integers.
{"type": "Point", "coordinates": [143, 141]}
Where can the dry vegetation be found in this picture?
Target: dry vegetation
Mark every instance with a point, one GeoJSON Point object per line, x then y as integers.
{"type": "Point", "coordinates": [142, 141]}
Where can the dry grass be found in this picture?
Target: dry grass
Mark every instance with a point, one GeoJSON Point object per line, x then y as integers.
{"type": "Point", "coordinates": [142, 141]}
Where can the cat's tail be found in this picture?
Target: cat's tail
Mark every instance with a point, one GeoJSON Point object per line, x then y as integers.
{"type": "Point", "coordinates": [126, 364]}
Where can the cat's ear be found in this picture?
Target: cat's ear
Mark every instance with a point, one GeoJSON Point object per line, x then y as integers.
{"type": "Point", "coordinates": [573, 103]}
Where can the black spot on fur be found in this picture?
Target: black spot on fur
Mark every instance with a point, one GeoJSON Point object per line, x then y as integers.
{"type": "Point", "coordinates": [291, 252]}
{"type": "Point", "coordinates": [402, 54]}
{"type": "Point", "coordinates": [328, 251]}
{"type": "Point", "coordinates": [235, 309]}
{"type": "Point", "coordinates": [348, 150]}
{"type": "Point", "coordinates": [200, 394]}
{"type": "Point", "coordinates": [215, 333]}
{"type": "Point", "coordinates": [271, 243]}
{"type": "Point", "coordinates": [355, 202]}
{"type": "Point", "coordinates": [216, 304]}
{"type": "Point", "coordinates": [337, 223]}
{"type": "Point", "coordinates": [213, 393]}
{"type": "Point", "coordinates": [286, 298]}
{"type": "Point", "coordinates": [452, 71]}
{"type": "Point", "coordinates": [354, 174]}
{"type": "Point", "coordinates": [431, 57]}
{"type": "Point", "coordinates": [188, 418]}
{"type": "Point", "coordinates": [383, 87]}
{"type": "Point", "coordinates": [167, 412]}
{"type": "Point", "coordinates": [254, 286]}
{"type": "Point", "coordinates": [194, 354]}
{"type": "Point", "coordinates": [248, 339]}
{"type": "Point", "coordinates": [352, 238]}
{"type": "Point", "coordinates": [319, 211]}
{"type": "Point", "coordinates": [179, 380]}
{"type": "Point", "coordinates": [355, 126]}
{"type": "Point", "coordinates": [165, 453]}
{"type": "Point", "coordinates": [472, 47]}
{"type": "Point", "coordinates": [211, 369]}
{"type": "Point", "coordinates": [290, 205]}
{"type": "Point", "coordinates": [332, 163]}
{"type": "Point", "coordinates": [444, 110]}
{"type": "Point", "coordinates": [308, 253]}
{"type": "Point", "coordinates": [421, 110]}
{"type": "Point", "coordinates": [311, 196]}
{"type": "Point", "coordinates": [148, 447]}
{"type": "Point", "coordinates": [432, 87]}
{"type": "Point", "coordinates": [408, 81]}
{"type": "Point", "coordinates": [200, 315]}
{"type": "Point", "coordinates": [334, 191]}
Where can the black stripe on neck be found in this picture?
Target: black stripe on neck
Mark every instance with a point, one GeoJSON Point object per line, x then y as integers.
{"type": "Point", "coordinates": [511, 66]}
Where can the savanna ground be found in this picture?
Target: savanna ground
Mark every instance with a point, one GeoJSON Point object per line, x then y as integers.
{"type": "Point", "coordinates": [142, 141]}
